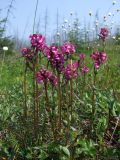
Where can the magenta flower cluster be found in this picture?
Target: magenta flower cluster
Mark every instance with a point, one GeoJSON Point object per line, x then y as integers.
{"type": "Point", "coordinates": [44, 76]}
{"type": "Point", "coordinates": [85, 69]}
{"type": "Point", "coordinates": [68, 48]}
{"type": "Point", "coordinates": [99, 58]}
{"type": "Point", "coordinates": [71, 70]}
{"type": "Point", "coordinates": [56, 56]}
{"type": "Point", "coordinates": [103, 33]}
{"type": "Point", "coordinates": [27, 52]}
{"type": "Point", "coordinates": [82, 56]}
{"type": "Point", "coordinates": [37, 42]}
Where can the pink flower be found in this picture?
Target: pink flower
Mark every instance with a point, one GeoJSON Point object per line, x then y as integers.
{"type": "Point", "coordinates": [68, 48]}
{"type": "Point", "coordinates": [53, 80]}
{"type": "Point", "coordinates": [99, 58]}
{"type": "Point", "coordinates": [71, 71]}
{"type": "Point", "coordinates": [103, 33]}
{"type": "Point", "coordinates": [55, 56]}
{"type": "Point", "coordinates": [95, 56]}
{"type": "Point", "coordinates": [27, 52]}
{"type": "Point", "coordinates": [46, 51]}
{"type": "Point", "coordinates": [84, 69]}
{"type": "Point", "coordinates": [82, 56]}
{"type": "Point", "coordinates": [44, 76]}
{"type": "Point", "coordinates": [38, 41]}
{"type": "Point", "coordinates": [97, 64]}
{"type": "Point", "coordinates": [103, 57]}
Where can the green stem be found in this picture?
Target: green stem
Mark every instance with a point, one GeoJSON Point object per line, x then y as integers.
{"type": "Point", "coordinates": [68, 115]}
{"type": "Point", "coordinates": [71, 92]}
{"type": "Point", "coordinates": [3, 60]}
{"type": "Point", "coordinates": [71, 97]}
{"type": "Point", "coordinates": [93, 98]}
{"type": "Point", "coordinates": [37, 93]}
{"type": "Point", "coordinates": [46, 96]}
{"type": "Point", "coordinates": [34, 96]}
{"type": "Point", "coordinates": [25, 92]}
{"type": "Point", "coordinates": [104, 46]}
{"type": "Point", "coordinates": [48, 109]}
{"type": "Point", "coordinates": [59, 101]}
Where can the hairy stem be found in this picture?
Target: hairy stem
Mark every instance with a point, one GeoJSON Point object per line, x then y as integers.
{"type": "Point", "coordinates": [34, 96]}
{"type": "Point", "coordinates": [49, 109]}
{"type": "Point", "coordinates": [25, 91]}
{"type": "Point", "coordinates": [71, 97]}
{"type": "Point", "coordinates": [93, 98]}
{"type": "Point", "coordinates": [59, 101]}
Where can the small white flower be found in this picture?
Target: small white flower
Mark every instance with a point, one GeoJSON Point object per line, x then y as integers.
{"type": "Point", "coordinates": [112, 22]}
{"type": "Point", "coordinates": [69, 25]}
{"type": "Point", "coordinates": [5, 48]}
{"type": "Point", "coordinates": [64, 30]}
{"type": "Point", "coordinates": [118, 10]}
{"type": "Point", "coordinates": [109, 14]}
{"type": "Point", "coordinates": [96, 24]}
{"type": "Point", "coordinates": [90, 13]}
{"type": "Point", "coordinates": [113, 37]}
{"type": "Point", "coordinates": [65, 21]}
{"type": "Point", "coordinates": [96, 21]}
{"type": "Point", "coordinates": [105, 18]}
{"type": "Point", "coordinates": [114, 2]}
{"type": "Point", "coordinates": [71, 13]}
{"type": "Point", "coordinates": [119, 38]}
{"type": "Point", "coordinates": [58, 34]}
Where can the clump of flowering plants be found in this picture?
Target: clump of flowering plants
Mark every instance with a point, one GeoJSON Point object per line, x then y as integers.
{"type": "Point", "coordinates": [66, 105]}
{"type": "Point", "coordinates": [62, 80]}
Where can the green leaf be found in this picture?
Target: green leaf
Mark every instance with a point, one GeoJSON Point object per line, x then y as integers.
{"type": "Point", "coordinates": [65, 151]}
